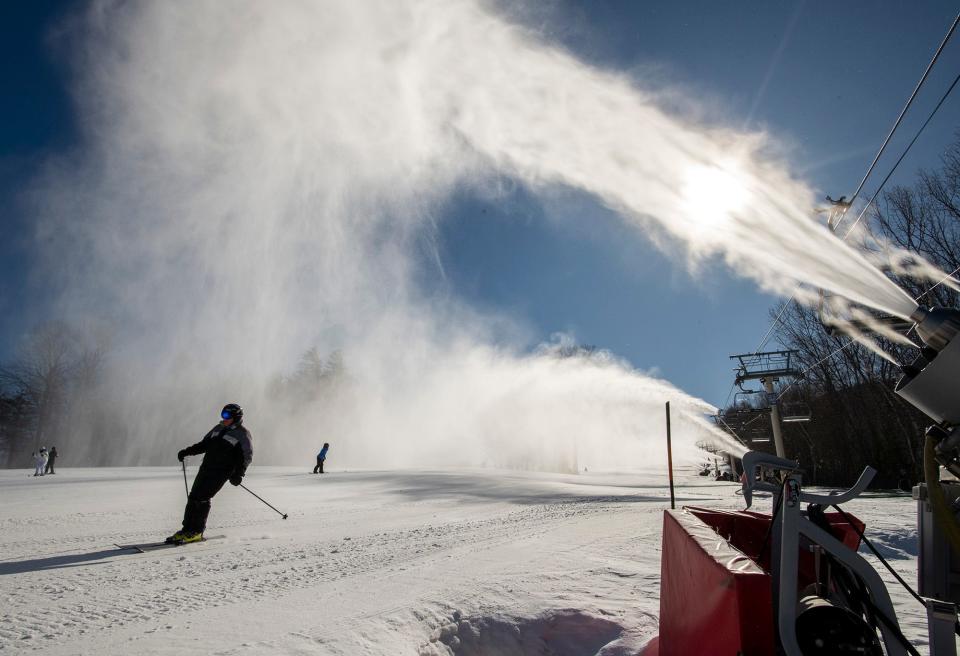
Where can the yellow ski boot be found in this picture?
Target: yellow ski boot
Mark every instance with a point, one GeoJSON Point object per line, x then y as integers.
{"type": "Point", "coordinates": [184, 537]}
{"type": "Point", "coordinates": [187, 537]}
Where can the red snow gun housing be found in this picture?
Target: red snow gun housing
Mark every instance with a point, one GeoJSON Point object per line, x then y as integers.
{"type": "Point", "coordinates": [715, 586]}
{"type": "Point", "coordinates": [754, 584]}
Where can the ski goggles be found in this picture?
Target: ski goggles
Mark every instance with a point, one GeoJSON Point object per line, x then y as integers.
{"type": "Point", "coordinates": [226, 414]}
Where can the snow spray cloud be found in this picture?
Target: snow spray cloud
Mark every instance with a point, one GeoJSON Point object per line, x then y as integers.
{"type": "Point", "coordinates": [479, 405]}
{"type": "Point", "coordinates": [544, 117]}
{"type": "Point", "coordinates": [257, 178]}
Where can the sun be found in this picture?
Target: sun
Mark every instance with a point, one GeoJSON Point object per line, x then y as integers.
{"type": "Point", "coordinates": [711, 195]}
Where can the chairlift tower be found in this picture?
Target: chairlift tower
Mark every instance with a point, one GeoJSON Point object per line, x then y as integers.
{"type": "Point", "coordinates": [768, 367]}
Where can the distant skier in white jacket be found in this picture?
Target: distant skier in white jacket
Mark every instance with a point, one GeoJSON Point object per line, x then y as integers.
{"type": "Point", "coordinates": [39, 462]}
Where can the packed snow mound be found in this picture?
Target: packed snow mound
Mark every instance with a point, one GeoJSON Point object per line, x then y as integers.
{"type": "Point", "coordinates": [563, 632]}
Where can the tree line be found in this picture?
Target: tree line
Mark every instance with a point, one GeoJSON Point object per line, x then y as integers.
{"type": "Point", "coordinates": [46, 389]}
{"type": "Point", "coordinates": [57, 391]}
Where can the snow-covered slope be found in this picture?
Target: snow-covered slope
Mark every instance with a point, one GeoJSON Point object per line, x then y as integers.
{"type": "Point", "coordinates": [399, 562]}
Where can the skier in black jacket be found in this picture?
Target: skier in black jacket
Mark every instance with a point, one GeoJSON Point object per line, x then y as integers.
{"type": "Point", "coordinates": [228, 450]}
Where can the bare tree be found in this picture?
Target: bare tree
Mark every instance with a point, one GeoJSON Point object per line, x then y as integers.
{"type": "Point", "coordinates": [857, 418]}
{"type": "Point", "coordinates": [52, 376]}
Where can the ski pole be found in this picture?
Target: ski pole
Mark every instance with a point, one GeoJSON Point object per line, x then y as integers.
{"type": "Point", "coordinates": [259, 497]}
{"type": "Point", "coordinates": [185, 478]}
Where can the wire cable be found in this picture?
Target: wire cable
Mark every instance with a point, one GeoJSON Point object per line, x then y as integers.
{"type": "Point", "coordinates": [883, 560]}
{"type": "Point", "coordinates": [775, 323]}
{"type": "Point", "coordinates": [903, 113]}
{"type": "Point", "coordinates": [876, 553]}
{"type": "Point", "coordinates": [726, 403]}
{"type": "Point", "coordinates": [890, 624]}
{"type": "Point", "coordinates": [803, 374]}
{"type": "Point", "coordinates": [913, 593]}
{"type": "Point", "coordinates": [904, 154]}
{"type": "Point", "coordinates": [854, 225]}
{"type": "Point", "coordinates": [732, 432]}
{"type": "Point", "coordinates": [873, 164]}
{"type": "Point", "coordinates": [940, 282]}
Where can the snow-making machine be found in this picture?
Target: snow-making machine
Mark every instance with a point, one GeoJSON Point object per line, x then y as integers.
{"type": "Point", "coordinates": [792, 581]}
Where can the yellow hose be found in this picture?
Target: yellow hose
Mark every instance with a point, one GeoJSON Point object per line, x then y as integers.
{"type": "Point", "coordinates": [938, 500]}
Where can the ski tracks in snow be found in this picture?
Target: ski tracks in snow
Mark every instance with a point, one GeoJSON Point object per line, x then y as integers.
{"type": "Point", "coordinates": [66, 601]}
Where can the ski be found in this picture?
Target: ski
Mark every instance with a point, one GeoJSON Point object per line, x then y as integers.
{"type": "Point", "coordinates": [155, 546]}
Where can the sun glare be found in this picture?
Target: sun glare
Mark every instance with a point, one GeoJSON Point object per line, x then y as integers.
{"type": "Point", "coordinates": [710, 195]}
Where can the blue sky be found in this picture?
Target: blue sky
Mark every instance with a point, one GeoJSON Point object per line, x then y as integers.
{"type": "Point", "coordinates": [827, 79]}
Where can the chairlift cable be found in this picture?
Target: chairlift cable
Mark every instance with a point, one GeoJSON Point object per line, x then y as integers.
{"type": "Point", "coordinates": [774, 323]}
{"type": "Point", "coordinates": [923, 78]}
{"type": "Point", "coordinates": [904, 154]}
{"type": "Point", "coordinates": [902, 113]}
{"type": "Point", "coordinates": [818, 362]}
{"type": "Point", "coordinates": [732, 432]}
{"type": "Point", "coordinates": [939, 282]}
{"type": "Point", "coordinates": [729, 394]}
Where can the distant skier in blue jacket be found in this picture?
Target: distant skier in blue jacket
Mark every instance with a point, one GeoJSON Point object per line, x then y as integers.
{"type": "Point", "coordinates": [320, 458]}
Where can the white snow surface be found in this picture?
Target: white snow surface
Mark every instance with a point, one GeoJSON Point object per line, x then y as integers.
{"type": "Point", "coordinates": [464, 562]}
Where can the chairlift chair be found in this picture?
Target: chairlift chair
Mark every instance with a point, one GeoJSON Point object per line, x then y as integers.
{"type": "Point", "coordinates": [793, 407]}
{"type": "Point", "coordinates": [794, 412]}
{"type": "Point", "coordinates": [709, 447]}
{"type": "Point", "coordinates": [750, 425]}
{"type": "Point", "coordinates": [751, 401]}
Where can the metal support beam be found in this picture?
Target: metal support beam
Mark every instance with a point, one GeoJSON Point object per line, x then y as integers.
{"type": "Point", "coordinates": [775, 419]}
{"type": "Point", "coordinates": [941, 620]}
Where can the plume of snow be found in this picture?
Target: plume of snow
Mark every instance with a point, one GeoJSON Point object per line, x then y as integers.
{"type": "Point", "coordinates": [255, 179]}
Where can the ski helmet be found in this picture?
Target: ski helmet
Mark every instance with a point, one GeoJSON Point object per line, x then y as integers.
{"type": "Point", "coordinates": [232, 411]}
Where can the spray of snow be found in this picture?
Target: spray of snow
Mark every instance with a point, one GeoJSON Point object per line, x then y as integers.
{"type": "Point", "coordinates": [256, 179]}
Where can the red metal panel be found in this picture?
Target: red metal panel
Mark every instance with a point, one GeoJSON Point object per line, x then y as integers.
{"type": "Point", "coordinates": [713, 599]}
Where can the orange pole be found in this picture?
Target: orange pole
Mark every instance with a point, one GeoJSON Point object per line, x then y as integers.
{"type": "Point", "coordinates": [673, 504]}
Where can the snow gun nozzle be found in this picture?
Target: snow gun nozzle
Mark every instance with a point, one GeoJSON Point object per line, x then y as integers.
{"type": "Point", "coordinates": [936, 326]}
{"type": "Point", "coordinates": [928, 383]}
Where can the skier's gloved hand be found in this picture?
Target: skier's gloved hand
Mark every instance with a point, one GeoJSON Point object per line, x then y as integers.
{"type": "Point", "coordinates": [181, 454]}
{"type": "Point", "coordinates": [236, 479]}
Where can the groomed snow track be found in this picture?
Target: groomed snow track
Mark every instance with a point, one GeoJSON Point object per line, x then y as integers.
{"type": "Point", "coordinates": [428, 563]}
